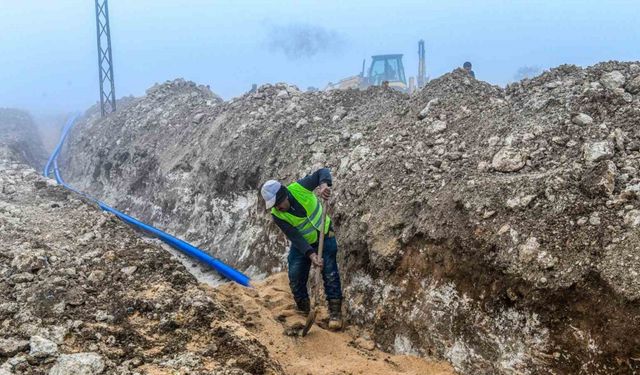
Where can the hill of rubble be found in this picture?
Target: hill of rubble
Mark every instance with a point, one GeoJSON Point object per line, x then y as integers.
{"type": "Point", "coordinates": [82, 293]}
{"type": "Point", "coordinates": [20, 139]}
{"type": "Point", "coordinates": [494, 227]}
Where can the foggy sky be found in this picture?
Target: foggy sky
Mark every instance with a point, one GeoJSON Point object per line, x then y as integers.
{"type": "Point", "coordinates": [48, 58]}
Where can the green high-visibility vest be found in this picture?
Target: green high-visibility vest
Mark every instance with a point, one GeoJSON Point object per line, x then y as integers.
{"type": "Point", "coordinates": [309, 225]}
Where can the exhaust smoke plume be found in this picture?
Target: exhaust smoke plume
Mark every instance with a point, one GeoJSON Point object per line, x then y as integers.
{"type": "Point", "coordinates": [303, 41]}
{"type": "Point", "coordinates": [526, 72]}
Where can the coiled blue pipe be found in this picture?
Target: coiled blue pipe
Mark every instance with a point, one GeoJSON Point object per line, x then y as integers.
{"type": "Point", "coordinates": [222, 268]}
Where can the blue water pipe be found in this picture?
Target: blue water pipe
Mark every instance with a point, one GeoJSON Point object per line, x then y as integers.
{"type": "Point", "coordinates": [222, 268]}
{"type": "Point", "coordinates": [54, 155]}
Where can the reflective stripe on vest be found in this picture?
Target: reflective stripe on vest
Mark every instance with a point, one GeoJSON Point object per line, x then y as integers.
{"type": "Point", "coordinates": [309, 225]}
{"type": "Point", "coordinates": [314, 219]}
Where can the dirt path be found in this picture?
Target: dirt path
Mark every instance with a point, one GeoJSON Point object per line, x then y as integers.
{"type": "Point", "coordinates": [268, 312]}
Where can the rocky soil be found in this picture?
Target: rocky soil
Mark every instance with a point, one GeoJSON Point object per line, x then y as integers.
{"type": "Point", "coordinates": [21, 141]}
{"type": "Point", "coordinates": [81, 293]}
{"type": "Point", "coordinates": [496, 228]}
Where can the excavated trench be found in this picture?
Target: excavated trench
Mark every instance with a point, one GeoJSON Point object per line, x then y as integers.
{"type": "Point", "coordinates": [82, 292]}
{"type": "Point", "coordinates": [494, 228]}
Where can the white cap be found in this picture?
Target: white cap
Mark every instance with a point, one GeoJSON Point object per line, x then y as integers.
{"type": "Point", "coordinates": [269, 191]}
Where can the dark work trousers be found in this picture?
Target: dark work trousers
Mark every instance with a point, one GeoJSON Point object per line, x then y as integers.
{"type": "Point", "coordinates": [300, 264]}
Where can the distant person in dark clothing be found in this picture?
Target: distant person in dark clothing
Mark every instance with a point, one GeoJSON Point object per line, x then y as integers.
{"type": "Point", "coordinates": [467, 67]}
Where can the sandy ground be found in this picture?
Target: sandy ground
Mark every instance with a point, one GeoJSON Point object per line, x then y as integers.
{"type": "Point", "coordinates": [268, 311]}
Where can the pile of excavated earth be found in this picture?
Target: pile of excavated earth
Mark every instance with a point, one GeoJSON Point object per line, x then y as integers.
{"type": "Point", "coordinates": [19, 139]}
{"type": "Point", "coordinates": [82, 293]}
{"type": "Point", "coordinates": [495, 228]}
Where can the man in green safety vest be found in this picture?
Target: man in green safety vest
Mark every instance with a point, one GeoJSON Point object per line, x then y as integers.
{"type": "Point", "coordinates": [298, 213]}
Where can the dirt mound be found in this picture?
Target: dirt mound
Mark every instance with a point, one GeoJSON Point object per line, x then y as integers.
{"type": "Point", "coordinates": [80, 291]}
{"type": "Point", "coordinates": [493, 227]}
{"type": "Point", "coordinates": [19, 139]}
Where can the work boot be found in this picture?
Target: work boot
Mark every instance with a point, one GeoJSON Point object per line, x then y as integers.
{"type": "Point", "coordinates": [304, 306]}
{"type": "Point", "coordinates": [335, 314]}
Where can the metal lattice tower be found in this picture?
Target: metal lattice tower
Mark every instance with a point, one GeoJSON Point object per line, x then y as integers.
{"type": "Point", "coordinates": [105, 60]}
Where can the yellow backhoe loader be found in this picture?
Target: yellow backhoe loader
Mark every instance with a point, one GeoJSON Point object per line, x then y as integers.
{"type": "Point", "coordinates": [385, 69]}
